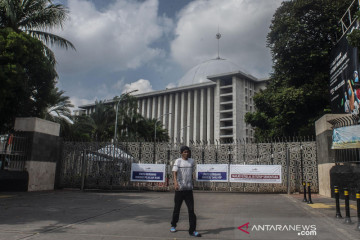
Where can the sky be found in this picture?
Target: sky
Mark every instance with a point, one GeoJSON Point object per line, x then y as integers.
{"type": "Point", "coordinates": [148, 45]}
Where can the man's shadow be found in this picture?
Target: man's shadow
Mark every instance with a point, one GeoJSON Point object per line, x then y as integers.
{"type": "Point", "coordinates": [211, 231]}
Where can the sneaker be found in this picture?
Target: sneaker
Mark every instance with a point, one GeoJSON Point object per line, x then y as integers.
{"type": "Point", "coordinates": [172, 229]}
{"type": "Point", "coordinates": [195, 234]}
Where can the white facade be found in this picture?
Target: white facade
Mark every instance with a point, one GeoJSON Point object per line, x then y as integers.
{"type": "Point", "coordinates": [208, 111]}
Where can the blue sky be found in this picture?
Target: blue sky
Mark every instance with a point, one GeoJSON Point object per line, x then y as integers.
{"type": "Point", "coordinates": [150, 44]}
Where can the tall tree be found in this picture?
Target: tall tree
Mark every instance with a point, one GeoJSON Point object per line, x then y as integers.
{"type": "Point", "coordinates": [35, 17]}
{"type": "Point", "coordinates": [27, 65]}
{"type": "Point", "coordinates": [27, 77]}
{"type": "Point", "coordinates": [301, 36]}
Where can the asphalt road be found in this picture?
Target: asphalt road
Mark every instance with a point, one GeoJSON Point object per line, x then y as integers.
{"type": "Point", "coordinates": [77, 215]}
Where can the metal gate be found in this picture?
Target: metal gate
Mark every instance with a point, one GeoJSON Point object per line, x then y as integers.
{"type": "Point", "coordinates": [97, 165]}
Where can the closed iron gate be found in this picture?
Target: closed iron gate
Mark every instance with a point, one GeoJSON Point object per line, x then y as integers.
{"type": "Point", "coordinates": [108, 166]}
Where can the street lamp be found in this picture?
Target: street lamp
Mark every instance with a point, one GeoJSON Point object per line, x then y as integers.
{"type": "Point", "coordinates": [180, 131]}
{"type": "Point", "coordinates": [157, 122]}
{"type": "Point", "coordinates": [116, 111]}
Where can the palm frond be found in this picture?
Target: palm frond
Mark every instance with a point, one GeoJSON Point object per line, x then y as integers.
{"type": "Point", "coordinates": [51, 38]}
{"type": "Point", "coordinates": [39, 15]}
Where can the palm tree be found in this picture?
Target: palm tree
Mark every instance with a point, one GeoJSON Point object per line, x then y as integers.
{"type": "Point", "coordinates": [102, 121]}
{"type": "Point", "coordinates": [59, 108]}
{"type": "Point", "coordinates": [34, 17]}
{"type": "Point", "coordinates": [59, 111]}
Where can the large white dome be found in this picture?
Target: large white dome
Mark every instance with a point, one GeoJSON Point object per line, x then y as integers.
{"type": "Point", "coordinates": [199, 73]}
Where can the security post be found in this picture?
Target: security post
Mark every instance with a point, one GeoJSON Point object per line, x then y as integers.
{"type": "Point", "coordinates": [309, 190]}
{"type": "Point", "coordinates": [358, 208]}
{"type": "Point", "coordinates": [347, 207]}
{"type": "Point", "coordinates": [337, 201]}
{"type": "Point", "coordinates": [304, 185]}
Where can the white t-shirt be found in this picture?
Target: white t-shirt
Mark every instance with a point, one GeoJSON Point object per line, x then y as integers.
{"type": "Point", "coordinates": [184, 169]}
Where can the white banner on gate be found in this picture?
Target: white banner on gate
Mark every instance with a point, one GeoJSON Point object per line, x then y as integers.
{"type": "Point", "coordinates": [147, 172]}
{"type": "Point", "coordinates": [255, 173]}
{"type": "Point", "coordinates": [212, 172]}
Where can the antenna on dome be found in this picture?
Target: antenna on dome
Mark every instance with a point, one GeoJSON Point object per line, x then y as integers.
{"type": "Point", "coordinates": [218, 36]}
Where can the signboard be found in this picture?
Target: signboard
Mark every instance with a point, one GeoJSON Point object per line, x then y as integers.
{"type": "Point", "coordinates": [346, 137]}
{"type": "Point", "coordinates": [255, 173]}
{"type": "Point", "coordinates": [344, 80]}
{"type": "Point", "coordinates": [147, 172]}
{"type": "Point", "coordinates": [212, 172]}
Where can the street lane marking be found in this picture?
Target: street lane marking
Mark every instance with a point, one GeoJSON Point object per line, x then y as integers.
{"type": "Point", "coordinates": [324, 205]}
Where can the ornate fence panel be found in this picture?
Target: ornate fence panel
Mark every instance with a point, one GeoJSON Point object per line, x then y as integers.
{"type": "Point", "coordinates": [14, 151]}
{"type": "Point", "coordinates": [105, 166]}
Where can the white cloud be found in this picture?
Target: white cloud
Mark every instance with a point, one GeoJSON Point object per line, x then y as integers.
{"type": "Point", "coordinates": [116, 38]}
{"type": "Point", "coordinates": [141, 85]}
{"type": "Point", "coordinates": [80, 101]}
{"type": "Point", "coordinates": [243, 24]}
{"type": "Point", "coordinates": [171, 85]}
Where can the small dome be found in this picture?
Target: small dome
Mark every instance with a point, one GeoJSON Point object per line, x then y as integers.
{"type": "Point", "coordinates": [199, 73]}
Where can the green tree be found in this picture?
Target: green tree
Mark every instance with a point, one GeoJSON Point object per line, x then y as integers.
{"type": "Point", "coordinates": [147, 130]}
{"type": "Point", "coordinates": [301, 36]}
{"type": "Point", "coordinates": [59, 110]}
{"type": "Point", "coordinates": [27, 77]}
{"type": "Point", "coordinates": [35, 17]}
{"type": "Point", "coordinates": [27, 65]}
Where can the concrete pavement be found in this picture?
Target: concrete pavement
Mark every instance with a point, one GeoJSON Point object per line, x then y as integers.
{"type": "Point", "coordinates": [146, 215]}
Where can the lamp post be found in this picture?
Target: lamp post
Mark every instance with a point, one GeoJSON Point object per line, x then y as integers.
{"type": "Point", "coordinates": [181, 130]}
{"type": "Point", "coordinates": [116, 111]}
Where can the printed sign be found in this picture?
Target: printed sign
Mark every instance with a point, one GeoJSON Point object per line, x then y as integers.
{"type": "Point", "coordinates": [147, 172]}
{"type": "Point", "coordinates": [344, 77]}
{"type": "Point", "coordinates": [346, 137]}
{"type": "Point", "coordinates": [212, 172]}
{"type": "Point", "coordinates": [255, 173]}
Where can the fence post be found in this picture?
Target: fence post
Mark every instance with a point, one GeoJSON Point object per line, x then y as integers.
{"type": "Point", "coordinates": [272, 152]}
{"type": "Point", "coordinates": [154, 159]}
{"type": "Point", "coordinates": [140, 151]}
{"type": "Point", "coordinates": [83, 169]}
{"type": "Point", "coordinates": [288, 169]}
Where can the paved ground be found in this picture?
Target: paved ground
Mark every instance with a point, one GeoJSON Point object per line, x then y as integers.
{"type": "Point", "coordinates": [146, 215]}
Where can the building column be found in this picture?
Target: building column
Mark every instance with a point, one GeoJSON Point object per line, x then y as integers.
{"type": "Point", "coordinates": [154, 107]}
{"type": "Point", "coordinates": [165, 111]}
{"type": "Point", "coordinates": [190, 116]}
{"type": "Point", "coordinates": [217, 110]}
{"type": "Point", "coordinates": [210, 115]}
{"type": "Point", "coordinates": [172, 117]}
{"type": "Point", "coordinates": [160, 110]}
{"type": "Point", "coordinates": [203, 111]}
{"type": "Point", "coordinates": [196, 129]}
{"type": "Point", "coordinates": [177, 116]}
{"type": "Point", "coordinates": [139, 108]}
{"type": "Point", "coordinates": [148, 107]}
{"type": "Point", "coordinates": [183, 116]}
{"type": "Point", "coordinates": [143, 108]}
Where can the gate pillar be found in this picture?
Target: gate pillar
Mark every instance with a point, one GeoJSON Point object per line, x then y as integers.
{"type": "Point", "coordinates": [44, 151]}
{"type": "Point", "coordinates": [325, 155]}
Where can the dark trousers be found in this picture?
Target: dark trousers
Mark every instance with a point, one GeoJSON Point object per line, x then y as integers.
{"type": "Point", "coordinates": [180, 196]}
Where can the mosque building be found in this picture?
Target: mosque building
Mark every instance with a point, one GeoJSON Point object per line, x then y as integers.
{"type": "Point", "coordinates": [209, 103]}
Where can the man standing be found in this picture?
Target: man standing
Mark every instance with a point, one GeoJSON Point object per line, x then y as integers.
{"type": "Point", "coordinates": [183, 183]}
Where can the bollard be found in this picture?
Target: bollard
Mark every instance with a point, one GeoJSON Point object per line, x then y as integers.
{"type": "Point", "coordinates": [304, 200]}
{"type": "Point", "coordinates": [337, 196]}
{"type": "Point", "coordinates": [358, 208]}
{"type": "Point", "coordinates": [347, 207]}
{"type": "Point", "coordinates": [309, 190]}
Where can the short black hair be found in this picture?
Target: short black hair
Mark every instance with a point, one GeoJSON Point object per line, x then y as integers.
{"type": "Point", "coordinates": [183, 148]}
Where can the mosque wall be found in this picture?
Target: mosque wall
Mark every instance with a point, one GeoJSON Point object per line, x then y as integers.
{"type": "Point", "coordinates": [202, 112]}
